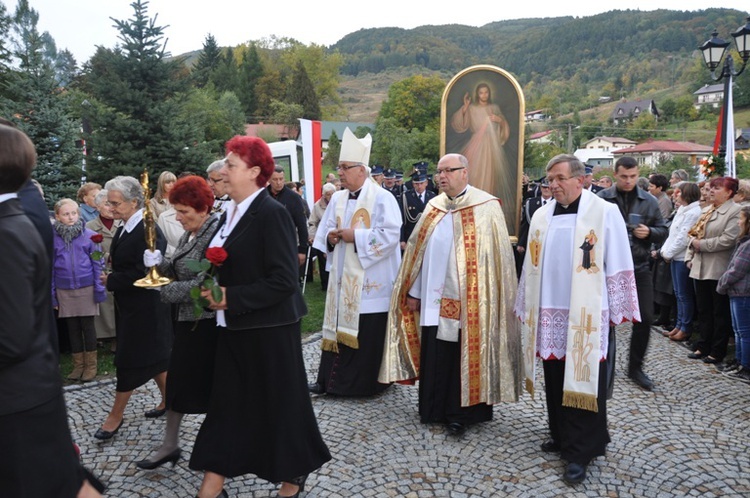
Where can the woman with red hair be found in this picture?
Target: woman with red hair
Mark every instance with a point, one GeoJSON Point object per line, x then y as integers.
{"type": "Point", "coordinates": [260, 418]}
{"type": "Point", "coordinates": [710, 248]}
{"type": "Point", "coordinates": [191, 363]}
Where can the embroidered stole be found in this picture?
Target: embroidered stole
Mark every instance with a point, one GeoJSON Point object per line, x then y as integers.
{"type": "Point", "coordinates": [341, 319]}
{"type": "Point", "coordinates": [582, 354]}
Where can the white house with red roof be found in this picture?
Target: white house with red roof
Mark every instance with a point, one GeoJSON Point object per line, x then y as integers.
{"type": "Point", "coordinates": [654, 152]}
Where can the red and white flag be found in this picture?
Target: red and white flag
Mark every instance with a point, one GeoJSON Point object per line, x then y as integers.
{"type": "Point", "coordinates": [725, 133]}
{"type": "Point", "coordinates": [312, 157]}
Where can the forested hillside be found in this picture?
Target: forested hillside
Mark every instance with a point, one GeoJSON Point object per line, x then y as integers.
{"type": "Point", "coordinates": [562, 62]}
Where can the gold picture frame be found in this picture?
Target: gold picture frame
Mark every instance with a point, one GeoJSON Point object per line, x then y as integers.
{"type": "Point", "coordinates": [482, 118]}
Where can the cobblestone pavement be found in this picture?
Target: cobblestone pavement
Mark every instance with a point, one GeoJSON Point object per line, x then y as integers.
{"type": "Point", "coordinates": [690, 437]}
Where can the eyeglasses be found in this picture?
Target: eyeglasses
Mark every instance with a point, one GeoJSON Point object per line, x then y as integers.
{"type": "Point", "coordinates": [211, 180]}
{"type": "Point", "coordinates": [447, 170]}
{"type": "Point", "coordinates": [346, 168]}
{"type": "Point", "coordinates": [113, 204]}
{"type": "Point", "coordinates": [559, 179]}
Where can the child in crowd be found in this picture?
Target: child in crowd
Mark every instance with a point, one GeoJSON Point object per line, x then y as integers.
{"type": "Point", "coordinates": [76, 287]}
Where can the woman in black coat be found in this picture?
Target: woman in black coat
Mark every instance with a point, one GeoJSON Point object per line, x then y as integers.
{"type": "Point", "coordinates": [260, 419]}
{"type": "Point", "coordinates": [143, 323]}
{"type": "Point", "coordinates": [191, 366]}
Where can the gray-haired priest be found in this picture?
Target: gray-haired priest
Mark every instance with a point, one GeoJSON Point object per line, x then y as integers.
{"type": "Point", "coordinates": [359, 234]}
{"type": "Point", "coordinates": [452, 324]}
{"type": "Point", "coordinates": [577, 278]}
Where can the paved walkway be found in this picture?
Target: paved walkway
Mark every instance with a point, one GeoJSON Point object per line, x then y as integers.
{"type": "Point", "coordinates": [690, 437]}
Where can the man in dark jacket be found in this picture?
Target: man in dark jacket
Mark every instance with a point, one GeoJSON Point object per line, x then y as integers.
{"type": "Point", "coordinates": [293, 203]}
{"type": "Point", "coordinates": [412, 204]}
{"type": "Point", "coordinates": [645, 227]}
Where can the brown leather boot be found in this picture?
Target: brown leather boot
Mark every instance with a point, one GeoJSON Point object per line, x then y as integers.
{"type": "Point", "coordinates": [90, 362]}
{"type": "Point", "coordinates": [77, 367]}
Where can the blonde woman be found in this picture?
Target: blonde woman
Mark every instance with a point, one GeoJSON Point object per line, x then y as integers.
{"type": "Point", "coordinates": [160, 202]}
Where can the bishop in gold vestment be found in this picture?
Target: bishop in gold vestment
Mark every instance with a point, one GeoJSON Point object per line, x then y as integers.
{"type": "Point", "coordinates": [451, 323]}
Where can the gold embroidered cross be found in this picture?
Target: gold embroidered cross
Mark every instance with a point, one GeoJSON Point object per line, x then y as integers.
{"type": "Point", "coordinates": [582, 347]}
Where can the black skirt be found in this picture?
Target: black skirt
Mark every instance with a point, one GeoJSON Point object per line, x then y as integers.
{"type": "Point", "coordinates": [37, 457]}
{"type": "Point", "coordinates": [260, 418]}
{"type": "Point", "coordinates": [354, 372]}
{"type": "Point", "coordinates": [129, 379]}
{"type": "Point", "coordinates": [191, 366]}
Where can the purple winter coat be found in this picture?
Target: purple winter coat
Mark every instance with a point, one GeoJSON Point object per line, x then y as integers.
{"type": "Point", "coordinates": [74, 268]}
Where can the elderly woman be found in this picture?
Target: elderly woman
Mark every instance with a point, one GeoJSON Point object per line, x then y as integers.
{"type": "Point", "coordinates": [86, 197]}
{"type": "Point", "coordinates": [260, 419]}
{"type": "Point", "coordinates": [144, 325]}
{"type": "Point", "coordinates": [312, 227]}
{"type": "Point", "coordinates": [192, 363]}
{"type": "Point", "coordinates": [160, 201]}
{"type": "Point", "coordinates": [712, 240]}
{"type": "Point", "coordinates": [686, 197]}
{"type": "Point", "coordinates": [38, 456]}
{"type": "Point", "coordinates": [743, 193]}
{"type": "Point", "coordinates": [705, 187]}
{"type": "Point", "coordinates": [105, 225]}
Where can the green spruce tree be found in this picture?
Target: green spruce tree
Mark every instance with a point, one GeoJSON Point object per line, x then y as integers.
{"type": "Point", "coordinates": [250, 72]}
{"type": "Point", "coordinates": [36, 102]}
{"type": "Point", "coordinates": [208, 61]}
{"type": "Point", "coordinates": [137, 95]}
{"type": "Point", "coordinates": [225, 77]}
{"type": "Point", "coordinates": [332, 152]}
{"type": "Point", "coordinates": [302, 92]}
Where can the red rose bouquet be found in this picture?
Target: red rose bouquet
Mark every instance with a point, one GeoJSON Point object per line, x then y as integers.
{"type": "Point", "coordinates": [205, 270]}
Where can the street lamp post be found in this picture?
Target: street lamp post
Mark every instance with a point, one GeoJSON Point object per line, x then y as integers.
{"type": "Point", "coordinates": [713, 51]}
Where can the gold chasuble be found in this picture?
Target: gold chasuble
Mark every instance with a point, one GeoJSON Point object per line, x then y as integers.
{"type": "Point", "coordinates": [480, 303]}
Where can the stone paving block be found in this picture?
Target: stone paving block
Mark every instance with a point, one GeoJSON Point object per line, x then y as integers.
{"type": "Point", "coordinates": [665, 443]}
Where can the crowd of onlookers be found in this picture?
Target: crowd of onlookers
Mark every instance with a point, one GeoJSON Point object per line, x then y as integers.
{"type": "Point", "coordinates": [701, 270]}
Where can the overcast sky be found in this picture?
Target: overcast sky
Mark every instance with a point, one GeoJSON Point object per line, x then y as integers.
{"type": "Point", "coordinates": [81, 25]}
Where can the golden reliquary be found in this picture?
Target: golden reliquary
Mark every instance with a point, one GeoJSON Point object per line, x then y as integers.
{"type": "Point", "coordinates": [152, 278]}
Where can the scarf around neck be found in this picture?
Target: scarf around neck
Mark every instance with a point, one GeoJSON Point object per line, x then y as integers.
{"type": "Point", "coordinates": [68, 232]}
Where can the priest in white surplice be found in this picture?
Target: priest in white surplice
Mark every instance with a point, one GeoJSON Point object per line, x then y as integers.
{"type": "Point", "coordinates": [359, 234]}
{"type": "Point", "coordinates": [577, 279]}
{"type": "Point", "coordinates": [451, 323]}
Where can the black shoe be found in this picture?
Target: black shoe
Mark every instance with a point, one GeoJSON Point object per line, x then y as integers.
{"type": "Point", "coordinates": [742, 374]}
{"type": "Point", "coordinates": [299, 481]}
{"type": "Point", "coordinates": [641, 379]}
{"type": "Point", "coordinates": [711, 360]}
{"type": "Point", "coordinates": [154, 464]}
{"type": "Point", "coordinates": [575, 473]}
{"type": "Point", "coordinates": [316, 388]}
{"type": "Point", "coordinates": [223, 494]}
{"type": "Point", "coordinates": [689, 345]}
{"type": "Point", "coordinates": [155, 413]}
{"type": "Point", "coordinates": [550, 446]}
{"type": "Point", "coordinates": [696, 355]}
{"type": "Point", "coordinates": [725, 367]}
{"type": "Point", "coordinates": [104, 435]}
{"type": "Point", "coordinates": [456, 428]}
